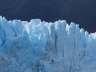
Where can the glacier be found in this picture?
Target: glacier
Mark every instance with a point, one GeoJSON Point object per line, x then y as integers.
{"type": "Point", "coordinates": [37, 46]}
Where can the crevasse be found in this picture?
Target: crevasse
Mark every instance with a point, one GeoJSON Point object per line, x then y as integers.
{"type": "Point", "coordinates": [37, 46]}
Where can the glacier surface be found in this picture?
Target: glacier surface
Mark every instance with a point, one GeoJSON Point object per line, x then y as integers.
{"type": "Point", "coordinates": [37, 46]}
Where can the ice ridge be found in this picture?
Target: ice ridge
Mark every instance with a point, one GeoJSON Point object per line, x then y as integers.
{"type": "Point", "coordinates": [37, 46]}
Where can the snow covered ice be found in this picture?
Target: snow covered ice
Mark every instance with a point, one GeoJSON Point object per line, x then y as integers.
{"type": "Point", "coordinates": [37, 46]}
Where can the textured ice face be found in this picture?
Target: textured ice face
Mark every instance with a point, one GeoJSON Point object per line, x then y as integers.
{"type": "Point", "coordinates": [37, 46]}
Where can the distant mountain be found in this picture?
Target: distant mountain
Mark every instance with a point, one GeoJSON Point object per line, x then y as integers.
{"type": "Point", "coordinates": [82, 12]}
{"type": "Point", "coordinates": [48, 10]}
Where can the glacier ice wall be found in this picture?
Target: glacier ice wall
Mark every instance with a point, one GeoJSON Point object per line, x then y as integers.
{"type": "Point", "coordinates": [37, 46]}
